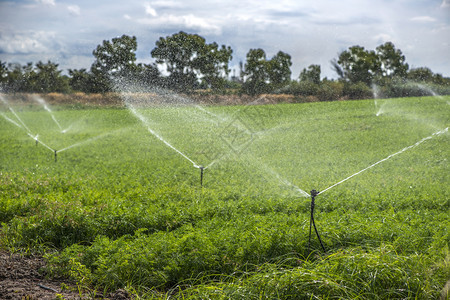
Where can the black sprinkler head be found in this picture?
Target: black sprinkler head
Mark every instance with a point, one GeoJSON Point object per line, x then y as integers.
{"type": "Point", "coordinates": [314, 193]}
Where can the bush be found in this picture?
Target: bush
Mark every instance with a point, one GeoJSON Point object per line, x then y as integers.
{"type": "Point", "coordinates": [303, 88]}
{"type": "Point", "coordinates": [393, 89]}
{"type": "Point", "coordinates": [330, 90]}
{"type": "Point", "coordinates": [357, 91]}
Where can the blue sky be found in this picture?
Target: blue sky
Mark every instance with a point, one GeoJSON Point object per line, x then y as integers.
{"type": "Point", "coordinates": [312, 32]}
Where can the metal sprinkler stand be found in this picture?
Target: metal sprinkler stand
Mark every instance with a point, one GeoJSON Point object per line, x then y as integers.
{"type": "Point", "coordinates": [201, 175]}
{"type": "Point", "coordinates": [314, 193]}
{"type": "Point", "coordinates": [56, 156]}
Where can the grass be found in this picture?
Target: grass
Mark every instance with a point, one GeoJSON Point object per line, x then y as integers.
{"type": "Point", "coordinates": [120, 209]}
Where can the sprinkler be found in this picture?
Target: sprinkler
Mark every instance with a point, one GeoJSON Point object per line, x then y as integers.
{"type": "Point", "coordinates": [56, 156]}
{"type": "Point", "coordinates": [314, 193]}
{"type": "Point", "coordinates": [202, 168]}
{"type": "Point", "coordinates": [37, 142]}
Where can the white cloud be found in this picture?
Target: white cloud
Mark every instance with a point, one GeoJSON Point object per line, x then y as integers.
{"type": "Point", "coordinates": [190, 21]}
{"type": "Point", "coordinates": [74, 10]}
{"type": "Point", "coordinates": [310, 31]}
{"type": "Point", "coordinates": [167, 4]}
{"type": "Point", "coordinates": [27, 42]}
{"type": "Point", "coordinates": [47, 2]}
{"type": "Point", "coordinates": [423, 19]}
{"type": "Point", "coordinates": [150, 10]}
{"type": "Point", "coordinates": [382, 38]}
{"type": "Point", "coordinates": [194, 22]}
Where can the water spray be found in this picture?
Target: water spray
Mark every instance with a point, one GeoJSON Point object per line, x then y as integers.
{"type": "Point", "coordinates": [314, 193]}
{"type": "Point", "coordinates": [386, 158]}
{"type": "Point", "coordinates": [154, 133]}
{"type": "Point", "coordinates": [44, 104]}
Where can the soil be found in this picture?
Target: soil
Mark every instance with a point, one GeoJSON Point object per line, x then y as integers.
{"type": "Point", "coordinates": [23, 278]}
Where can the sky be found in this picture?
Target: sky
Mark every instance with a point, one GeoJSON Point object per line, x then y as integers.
{"type": "Point", "coordinates": [312, 32]}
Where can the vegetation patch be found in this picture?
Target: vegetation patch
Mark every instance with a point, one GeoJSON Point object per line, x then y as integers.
{"type": "Point", "coordinates": [111, 196]}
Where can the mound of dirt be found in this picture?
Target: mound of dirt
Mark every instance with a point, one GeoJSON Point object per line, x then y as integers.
{"type": "Point", "coordinates": [22, 278]}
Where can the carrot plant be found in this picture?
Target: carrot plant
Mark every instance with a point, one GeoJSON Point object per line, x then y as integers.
{"type": "Point", "coordinates": [117, 207]}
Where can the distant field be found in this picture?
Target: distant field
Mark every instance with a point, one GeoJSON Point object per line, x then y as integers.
{"type": "Point", "coordinates": [120, 203]}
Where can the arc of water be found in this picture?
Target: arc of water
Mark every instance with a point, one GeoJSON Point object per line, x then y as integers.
{"type": "Point", "coordinates": [154, 133]}
{"type": "Point", "coordinates": [40, 142]}
{"type": "Point", "coordinates": [11, 120]}
{"type": "Point", "coordinates": [284, 180]}
{"type": "Point", "coordinates": [89, 140]}
{"type": "Point", "coordinates": [386, 158]}
{"type": "Point", "coordinates": [44, 104]}
{"type": "Point", "coordinates": [14, 113]}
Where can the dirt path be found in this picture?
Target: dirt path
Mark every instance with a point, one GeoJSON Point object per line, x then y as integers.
{"type": "Point", "coordinates": [21, 278]}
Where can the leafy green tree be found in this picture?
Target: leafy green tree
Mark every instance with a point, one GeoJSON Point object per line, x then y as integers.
{"type": "Point", "coordinates": [81, 80]}
{"type": "Point", "coordinates": [255, 72]}
{"type": "Point", "coordinates": [190, 60]}
{"type": "Point", "coordinates": [19, 78]}
{"type": "Point", "coordinates": [39, 78]}
{"type": "Point", "coordinates": [213, 65]}
{"type": "Point", "coordinates": [27, 83]}
{"type": "Point", "coordinates": [148, 74]}
{"type": "Point", "coordinates": [312, 74]}
{"type": "Point", "coordinates": [421, 74]}
{"type": "Point", "coordinates": [391, 61]}
{"type": "Point", "coordinates": [178, 54]}
{"type": "Point", "coordinates": [113, 59]}
{"type": "Point", "coordinates": [3, 73]}
{"type": "Point", "coordinates": [47, 78]}
{"type": "Point", "coordinates": [279, 71]}
{"type": "Point", "coordinates": [357, 65]}
{"type": "Point", "coordinates": [262, 75]}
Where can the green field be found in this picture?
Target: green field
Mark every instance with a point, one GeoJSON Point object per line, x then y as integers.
{"type": "Point", "coordinates": [121, 208]}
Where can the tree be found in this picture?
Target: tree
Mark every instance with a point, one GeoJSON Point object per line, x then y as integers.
{"type": "Point", "coordinates": [19, 78]}
{"type": "Point", "coordinates": [391, 61]}
{"type": "Point", "coordinates": [81, 80]}
{"type": "Point", "coordinates": [47, 78]}
{"type": "Point", "coordinates": [255, 72]}
{"type": "Point", "coordinates": [189, 60]}
{"type": "Point", "coordinates": [420, 74]}
{"type": "Point", "coordinates": [148, 74]}
{"type": "Point", "coordinates": [312, 74]}
{"type": "Point", "coordinates": [113, 59]}
{"type": "Point", "coordinates": [3, 72]}
{"type": "Point", "coordinates": [213, 65]}
{"type": "Point", "coordinates": [357, 65]}
{"type": "Point", "coordinates": [262, 75]}
{"type": "Point", "coordinates": [279, 70]}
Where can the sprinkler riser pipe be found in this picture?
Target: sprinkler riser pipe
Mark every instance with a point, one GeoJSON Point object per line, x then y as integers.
{"type": "Point", "coordinates": [314, 193]}
{"type": "Point", "coordinates": [56, 156]}
{"type": "Point", "coordinates": [201, 175]}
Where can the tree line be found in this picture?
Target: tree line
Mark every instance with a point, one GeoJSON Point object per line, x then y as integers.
{"type": "Point", "coordinates": [186, 63]}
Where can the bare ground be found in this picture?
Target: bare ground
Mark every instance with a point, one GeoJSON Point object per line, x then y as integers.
{"type": "Point", "coordinates": [23, 278]}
